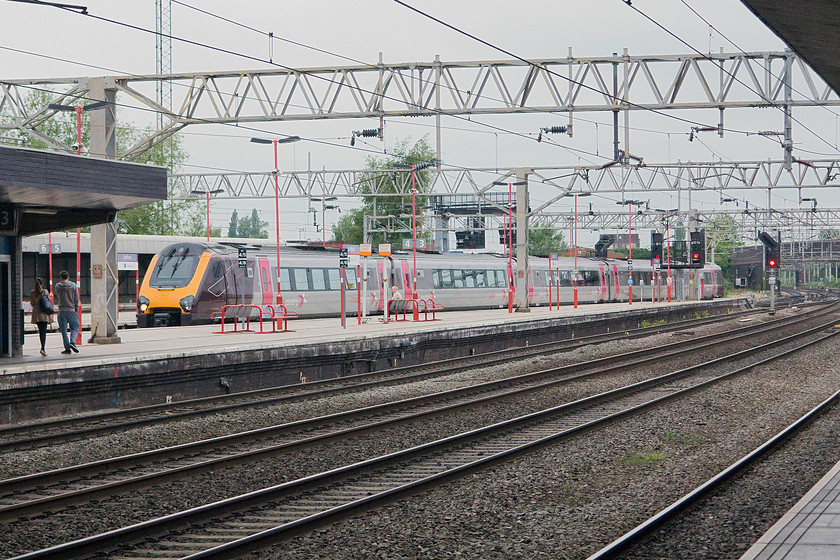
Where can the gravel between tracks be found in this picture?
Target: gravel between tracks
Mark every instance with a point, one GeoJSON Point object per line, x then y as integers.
{"type": "Point", "coordinates": [562, 502]}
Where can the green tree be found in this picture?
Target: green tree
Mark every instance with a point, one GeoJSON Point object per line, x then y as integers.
{"type": "Point", "coordinates": [160, 218]}
{"type": "Point", "coordinates": [543, 240]}
{"type": "Point", "coordinates": [829, 233]}
{"type": "Point", "coordinates": [722, 235]}
{"type": "Point", "coordinates": [251, 226]}
{"type": "Point", "coordinates": [350, 227]}
{"type": "Point", "coordinates": [233, 226]}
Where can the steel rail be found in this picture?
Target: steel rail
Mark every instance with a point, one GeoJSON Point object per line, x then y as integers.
{"type": "Point", "coordinates": [727, 475]}
{"type": "Point", "coordinates": [393, 412]}
{"type": "Point", "coordinates": [405, 374]}
{"type": "Point", "coordinates": [365, 495]}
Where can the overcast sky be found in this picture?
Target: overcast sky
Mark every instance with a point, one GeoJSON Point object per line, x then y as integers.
{"type": "Point", "coordinates": [363, 28]}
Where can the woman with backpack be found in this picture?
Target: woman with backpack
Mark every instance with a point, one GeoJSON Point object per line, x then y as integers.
{"type": "Point", "coordinates": [40, 316]}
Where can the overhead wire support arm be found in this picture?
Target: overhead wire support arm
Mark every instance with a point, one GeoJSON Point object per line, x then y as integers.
{"type": "Point", "coordinates": [74, 7]}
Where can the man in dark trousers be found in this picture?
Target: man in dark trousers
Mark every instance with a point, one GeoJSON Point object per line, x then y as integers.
{"type": "Point", "coordinates": [67, 302]}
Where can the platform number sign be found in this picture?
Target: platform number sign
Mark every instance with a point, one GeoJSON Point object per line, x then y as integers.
{"type": "Point", "coordinates": [343, 258]}
{"type": "Point", "coordinates": [8, 218]}
{"type": "Point", "coordinates": [243, 253]}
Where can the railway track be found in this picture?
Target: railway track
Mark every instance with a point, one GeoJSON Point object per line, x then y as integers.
{"type": "Point", "coordinates": [53, 490]}
{"type": "Point", "coordinates": [677, 509]}
{"type": "Point", "coordinates": [236, 525]}
{"type": "Point", "coordinates": [30, 435]}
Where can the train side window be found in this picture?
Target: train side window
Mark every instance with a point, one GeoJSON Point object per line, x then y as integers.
{"type": "Point", "coordinates": [350, 278]}
{"type": "Point", "coordinates": [319, 279]}
{"type": "Point", "coordinates": [264, 278]}
{"type": "Point", "coordinates": [334, 276]}
{"type": "Point", "coordinates": [285, 281]}
{"type": "Point", "coordinates": [480, 278]}
{"type": "Point", "coordinates": [591, 278]}
{"type": "Point", "coordinates": [458, 278]}
{"type": "Point", "coordinates": [436, 282]}
{"type": "Point", "coordinates": [501, 279]}
{"type": "Point", "coordinates": [469, 278]}
{"type": "Point", "coordinates": [446, 279]}
{"type": "Point", "coordinates": [301, 282]}
{"type": "Point", "coordinates": [565, 279]}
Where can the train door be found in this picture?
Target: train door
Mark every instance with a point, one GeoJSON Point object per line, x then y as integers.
{"type": "Point", "coordinates": [380, 281]}
{"type": "Point", "coordinates": [406, 280]}
{"type": "Point", "coordinates": [603, 277]}
{"type": "Point", "coordinates": [616, 284]}
{"type": "Point", "coordinates": [530, 285]}
{"type": "Point", "coordinates": [265, 280]}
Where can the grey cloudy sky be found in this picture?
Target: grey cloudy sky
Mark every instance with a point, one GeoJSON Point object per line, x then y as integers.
{"type": "Point", "coordinates": [361, 29]}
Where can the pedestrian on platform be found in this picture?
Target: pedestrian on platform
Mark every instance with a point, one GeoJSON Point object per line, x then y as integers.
{"type": "Point", "coordinates": [67, 300]}
{"type": "Point", "coordinates": [395, 293]}
{"type": "Point", "coordinates": [40, 316]}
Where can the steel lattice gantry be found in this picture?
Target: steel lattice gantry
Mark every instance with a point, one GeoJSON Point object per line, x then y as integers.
{"type": "Point", "coordinates": [797, 223]}
{"type": "Point", "coordinates": [667, 82]}
{"type": "Point", "coordinates": [671, 177]}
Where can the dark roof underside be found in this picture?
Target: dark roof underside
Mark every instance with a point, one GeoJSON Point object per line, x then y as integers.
{"type": "Point", "coordinates": [53, 191]}
{"type": "Point", "coordinates": [812, 29]}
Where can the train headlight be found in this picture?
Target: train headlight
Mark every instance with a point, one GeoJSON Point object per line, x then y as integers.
{"type": "Point", "coordinates": [142, 304]}
{"type": "Point", "coordinates": [186, 303]}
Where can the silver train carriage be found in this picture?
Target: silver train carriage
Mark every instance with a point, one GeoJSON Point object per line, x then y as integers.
{"type": "Point", "coordinates": [189, 283]}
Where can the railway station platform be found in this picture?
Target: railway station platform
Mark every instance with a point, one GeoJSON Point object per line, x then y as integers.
{"type": "Point", "coordinates": [154, 365]}
{"type": "Point", "coordinates": [810, 530]}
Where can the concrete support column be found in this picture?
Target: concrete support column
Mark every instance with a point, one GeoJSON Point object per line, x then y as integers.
{"type": "Point", "coordinates": [520, 300]}
{"type": "Point", "coordinates": [103, 238]}
{"type": "Point", "coordinates": [15, 249]}
{"type": "Point", "coordinates": [442, 234]}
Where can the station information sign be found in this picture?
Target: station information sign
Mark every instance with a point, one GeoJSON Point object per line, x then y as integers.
{"type": "Point", "coordinates": [44, 249]}
{"type": "Point", "coordinates": [8, 219]}
{"type": "Point", "coordinates": [421, 243]}
{"type": "Point", "coordinates": [343, 259]}
{"type": "Point", "coordinates": [384, 249]}
{"type": "Point", "coordinates": [365, 250]}
{"type": "Point", "coordinates": [127, 261]}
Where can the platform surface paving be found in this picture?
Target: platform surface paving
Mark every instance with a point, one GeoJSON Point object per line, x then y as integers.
{"type": "Point", "coordinates": [810, 530]}
{"type": "Point", "coordinates": [140, 345]}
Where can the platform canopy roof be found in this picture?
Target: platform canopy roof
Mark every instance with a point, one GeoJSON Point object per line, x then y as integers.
{"type": "Point", "coordinates": [50, 191]}
{"type": "Point", "coordinates": [812, 29]}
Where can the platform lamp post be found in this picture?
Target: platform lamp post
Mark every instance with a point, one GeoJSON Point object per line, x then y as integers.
{"type": "Point", "coordinates": [78, 110]}
{"type": "Point", "coordinates": [575, 272]}
{"type": "Point", "coordinates": [208, 193]}
{"type": "Point", "coordinates": [285, 140]}
{"type": "Point", "coordinates": [414, 169]}
{"type": "Point", "coordinates": [510, 236]}
{"type": "Point", "coordinates": [630, 204]}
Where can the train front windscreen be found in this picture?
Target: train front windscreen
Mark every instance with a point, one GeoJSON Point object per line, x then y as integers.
{"type": "Point", "coordinates": [175, 267]}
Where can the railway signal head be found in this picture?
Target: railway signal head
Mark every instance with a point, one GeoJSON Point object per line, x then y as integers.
{"type": "Point", "coordinates": [772, 251]}
{"type": "Point", "coordinates": [698, 247]}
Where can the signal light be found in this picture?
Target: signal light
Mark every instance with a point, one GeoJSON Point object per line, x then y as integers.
{"type": "Point", "coordinates": [772, 250]}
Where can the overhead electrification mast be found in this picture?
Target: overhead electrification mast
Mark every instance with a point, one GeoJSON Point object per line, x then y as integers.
{"type": "Point", "coordinates": [163, 52]}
